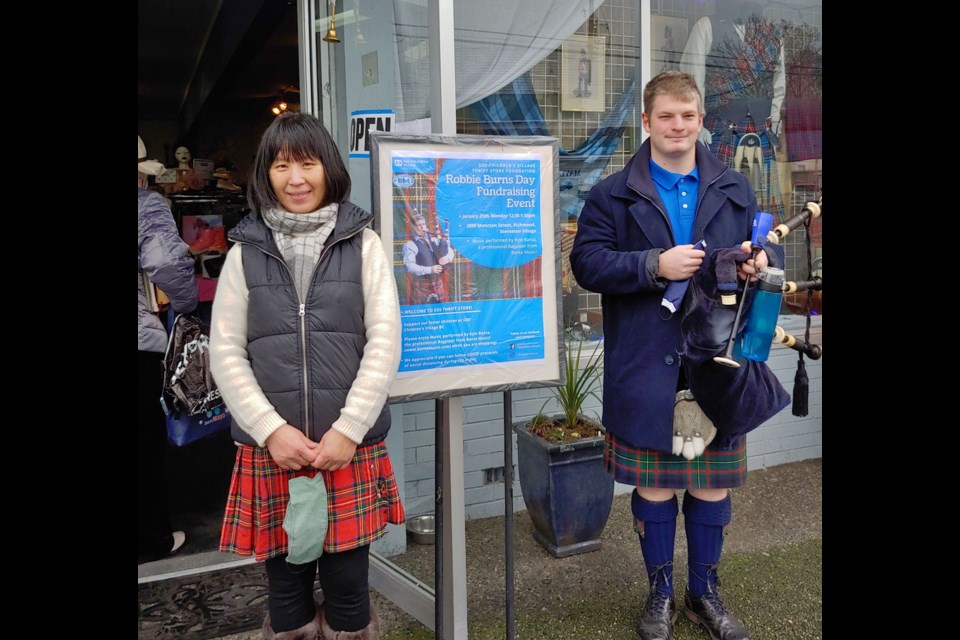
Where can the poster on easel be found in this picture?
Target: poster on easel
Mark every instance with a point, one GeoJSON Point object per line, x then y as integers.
{"type": "Point", "coordinates": [471, 224]}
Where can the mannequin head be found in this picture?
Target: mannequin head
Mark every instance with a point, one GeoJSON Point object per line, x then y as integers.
{"type": "Point", "coordinates": [183, 157]}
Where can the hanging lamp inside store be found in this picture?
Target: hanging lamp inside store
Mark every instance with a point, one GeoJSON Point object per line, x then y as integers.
{"type": "Point", "coordinates": [281, 104]}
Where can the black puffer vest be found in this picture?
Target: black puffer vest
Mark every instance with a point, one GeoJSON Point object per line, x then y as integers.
{"type": "Point", "coordinates": [305, 359]}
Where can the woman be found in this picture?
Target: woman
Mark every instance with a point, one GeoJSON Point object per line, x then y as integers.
{"type": "Point", "coordinates": [304, 346]}
{"type": "Point", "coordinates": [163, 257]}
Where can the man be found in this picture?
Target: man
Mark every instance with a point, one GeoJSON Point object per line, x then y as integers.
{"type": "Point", "coordinates": [635, 236]}
{"type": "Point", "coordinates": [425, 256]}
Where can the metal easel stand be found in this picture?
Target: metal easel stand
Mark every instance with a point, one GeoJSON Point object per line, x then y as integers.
{"type": "Point", "coordinates": [448, 599]}
{"type": "Point", "coordinates": [451, 548]}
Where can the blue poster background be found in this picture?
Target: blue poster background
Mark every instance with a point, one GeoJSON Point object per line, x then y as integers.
{"type": "Point", "coordinates": [494, 209]}
{"type": "Point", "coordinates": [436, 336]}
{"type": "Point", "coordinates": [491, 205]}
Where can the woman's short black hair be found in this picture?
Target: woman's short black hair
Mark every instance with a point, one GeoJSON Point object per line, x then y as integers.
{"type": "Point", "coordinates": [297, 137]}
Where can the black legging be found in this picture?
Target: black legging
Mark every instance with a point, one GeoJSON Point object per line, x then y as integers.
{"type": "Point", "coordinates": [343, 579]}
{"type": "Point", "coordinates": [153, 523]}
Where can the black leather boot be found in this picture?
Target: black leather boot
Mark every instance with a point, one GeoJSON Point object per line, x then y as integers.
{"type": "Point", "coordinates": [656, 524]}
{"type": "Point", "coordinates": [710, 612]}
{"type": "Point", "coordinates": [659, 615]}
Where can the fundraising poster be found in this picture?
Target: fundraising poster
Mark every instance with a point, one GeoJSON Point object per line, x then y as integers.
{"type": "Point", "coordinates": [472, 230]}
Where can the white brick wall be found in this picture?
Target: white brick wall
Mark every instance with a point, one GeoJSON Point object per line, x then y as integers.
{"type": "Point", "coordinates": [784, 438]}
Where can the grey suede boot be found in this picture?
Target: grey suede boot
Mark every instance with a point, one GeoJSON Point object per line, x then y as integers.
{"type": "Point", "coordinates": [369, 632]}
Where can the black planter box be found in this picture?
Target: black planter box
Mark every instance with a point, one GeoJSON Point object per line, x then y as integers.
{"type": "Point", "coordinates": [567, 490]}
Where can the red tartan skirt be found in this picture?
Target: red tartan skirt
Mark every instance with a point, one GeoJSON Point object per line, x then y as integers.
{"type": "Point", "coordinates": [715, 469]}
{"type": "Point", "coordinates": [361, 499]}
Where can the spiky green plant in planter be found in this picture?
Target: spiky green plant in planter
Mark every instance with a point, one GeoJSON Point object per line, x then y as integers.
{"type": "Point", "coordinates": [564, 481]}
{"type": "Point", "coordinates": [579, 384]}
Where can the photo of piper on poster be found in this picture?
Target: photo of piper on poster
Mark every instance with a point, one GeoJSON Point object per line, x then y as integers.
{"type": "Point", "coordinates": [472, 233]}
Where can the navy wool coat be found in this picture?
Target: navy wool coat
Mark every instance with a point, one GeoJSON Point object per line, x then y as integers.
{"type": "Point", "coordinates": [622, 231]}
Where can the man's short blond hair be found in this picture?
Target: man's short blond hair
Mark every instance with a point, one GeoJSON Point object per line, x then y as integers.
{"type": "Point", "coordinates": [675, 84]}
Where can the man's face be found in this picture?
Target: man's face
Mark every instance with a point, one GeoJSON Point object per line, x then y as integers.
{"type": "Point", "coordinates": [673, 125]}
{"type": "Point", "coordinates": [421, 227]}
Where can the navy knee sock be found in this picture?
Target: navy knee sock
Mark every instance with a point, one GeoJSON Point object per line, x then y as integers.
{"type": "Point", "coordinates": [656, 523]}
{"type": "Point", "coordinates": [704, 523]}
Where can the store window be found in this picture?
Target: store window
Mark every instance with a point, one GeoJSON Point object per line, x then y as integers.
{"type": "Point", "coordinates": [586, 93]}
{"type": "Point", "coordinates": [759, 67]}
{"type": "Point", "coordinates": [574, 70]}
{"type": "Point", "coordinates": [582, 89]}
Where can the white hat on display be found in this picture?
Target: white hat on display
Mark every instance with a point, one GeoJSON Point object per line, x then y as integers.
{"type": "Point", "coordinates": [148, 167]}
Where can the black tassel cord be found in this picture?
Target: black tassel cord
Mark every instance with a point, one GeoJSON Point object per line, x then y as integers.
{"type": "Point", "coordinates": [801, 389]}
{"type": "Point", "coordinates": [801, 384]}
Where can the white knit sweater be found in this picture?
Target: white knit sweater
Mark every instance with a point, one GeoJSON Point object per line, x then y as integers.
{"type": "Point", "coordinates": [381, 356]}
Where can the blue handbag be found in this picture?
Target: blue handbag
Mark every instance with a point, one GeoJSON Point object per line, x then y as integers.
{"type": "Point", "coordinates": [185, 429]}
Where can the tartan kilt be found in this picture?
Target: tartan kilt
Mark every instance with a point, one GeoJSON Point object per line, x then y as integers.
{"type": "Point", "coordinates": [715, 469]}
{"type": "Point", "coordinates": [361, 499]}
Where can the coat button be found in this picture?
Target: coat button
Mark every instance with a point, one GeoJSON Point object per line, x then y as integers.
{"type": "Point", "coordinates": [668, 359]}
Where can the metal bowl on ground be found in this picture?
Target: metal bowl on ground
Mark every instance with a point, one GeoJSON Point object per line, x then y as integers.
{"type": "Point", "coordinates": [422, 529]}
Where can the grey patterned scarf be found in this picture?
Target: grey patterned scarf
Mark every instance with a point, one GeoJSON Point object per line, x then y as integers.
{"type": "Point", "coordinates": [300, 237]}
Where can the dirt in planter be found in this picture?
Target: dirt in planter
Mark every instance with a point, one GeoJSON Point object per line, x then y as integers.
{"type": "Point", "coordinates": [558, 430]}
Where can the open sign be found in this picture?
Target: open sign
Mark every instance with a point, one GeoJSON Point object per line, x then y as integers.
{"type": "Point", "coordinates": [361, 123]}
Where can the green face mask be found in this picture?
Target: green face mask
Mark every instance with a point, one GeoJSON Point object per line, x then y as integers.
{"type": "Point", "coordinates": [306, 519]}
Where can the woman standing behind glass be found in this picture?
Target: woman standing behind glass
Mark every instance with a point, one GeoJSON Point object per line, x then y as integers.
{"type": "Point", "coordinates": [305, 344]}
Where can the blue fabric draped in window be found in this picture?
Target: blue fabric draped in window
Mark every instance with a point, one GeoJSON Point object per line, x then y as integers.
{"type": "Point", "coordinates": [515, 111]}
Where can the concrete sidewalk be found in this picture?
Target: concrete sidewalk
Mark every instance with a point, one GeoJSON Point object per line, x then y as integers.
{"type": "Point", "coordinates": [771, 572]}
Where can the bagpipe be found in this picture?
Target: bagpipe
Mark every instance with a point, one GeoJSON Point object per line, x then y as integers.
{"type": "Point", "coordinates": [440, 234]}
{"type": "Point", "coordinates": [724, 358]}
{"type": "Point", "coordinates": [810, 211]}
{"type": "Point", "coordinates": [761, 329]}
{"type": "Point", "coordinates": [801, 384]}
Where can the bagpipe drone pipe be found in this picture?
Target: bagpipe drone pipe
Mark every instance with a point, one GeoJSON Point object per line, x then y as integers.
{"type": "Point", "coordinates": [728, 375]}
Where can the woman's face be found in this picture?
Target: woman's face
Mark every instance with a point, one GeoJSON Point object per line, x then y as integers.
{"type": "Point", "coordinates": [300, 186]}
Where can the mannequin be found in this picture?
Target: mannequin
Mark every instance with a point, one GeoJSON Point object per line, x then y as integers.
{"type": "Point", "coordinates": [187, 180]}
{"type": "Point", "coordinates": [183, 156]}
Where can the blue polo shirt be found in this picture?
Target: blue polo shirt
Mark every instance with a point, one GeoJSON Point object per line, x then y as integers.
{"type": "Point", "coordinates": [679, 194]}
